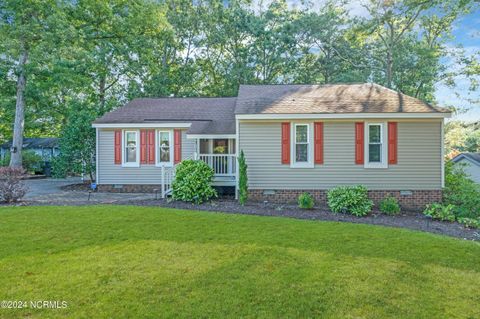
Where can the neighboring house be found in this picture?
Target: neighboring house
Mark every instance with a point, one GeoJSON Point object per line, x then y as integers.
{"type": "Point", "coordinates": [46, 147]}
{"type": "Point", "coordinates": [470, 163]}
{"type": "Point", "coordinates": [296, 138]}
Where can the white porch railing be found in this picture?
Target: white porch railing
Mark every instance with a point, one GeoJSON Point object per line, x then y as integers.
{"type": "Point", "coordinates": [222, 164]}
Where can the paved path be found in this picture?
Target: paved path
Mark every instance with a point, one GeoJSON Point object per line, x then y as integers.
{"type": "Point", "coordinates": [49, 191]}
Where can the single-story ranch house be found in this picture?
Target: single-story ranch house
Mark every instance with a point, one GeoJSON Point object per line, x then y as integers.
{"type": "Point", "coordinates": [296, 138]}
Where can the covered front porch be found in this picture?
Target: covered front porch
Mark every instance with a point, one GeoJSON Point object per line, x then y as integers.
{"type": "Point", "coordinates": [220, 155]}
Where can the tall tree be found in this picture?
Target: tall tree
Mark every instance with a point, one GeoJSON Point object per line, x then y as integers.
{"type": "Point", "coordinates": [27, 31]}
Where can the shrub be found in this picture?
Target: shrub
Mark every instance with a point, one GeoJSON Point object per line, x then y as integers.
{"type": "Point", "coordinates": [469, 222]}
{"type": "Point", "coordinates": [441, 212]}
{"type": "Point", "coordinates": [12, 187]}
{"type": "Point", "coordinates": [242, 179]}
{"type": "Point", "coordinates": [389, 205]}
{"type": "Point", "coordinates": [461, 192]}
{"type": "Point", "coordinates": [31, 161]}
{"type": "Point", "coordinates": [306, 201]}
{"type": "Point", "coordinates": [193, 182]}
{"type": "Point", "coordinates": [349, 199]}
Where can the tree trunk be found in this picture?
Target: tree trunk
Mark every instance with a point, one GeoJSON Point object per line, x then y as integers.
{"type": "Point", "coordinates": [102, 94]}
{"type": "Point", "coordinates": [19, 126]}
{"type": "Point", "coordinates": [389, 69]}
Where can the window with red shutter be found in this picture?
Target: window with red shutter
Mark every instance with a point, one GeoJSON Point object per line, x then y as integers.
{"type": "Point", "coordinates": [143, 146]}
{"type": "Point", "coordinates": [392, 142]}
{"type": "Point", "coordinates": [151, 146]}
{"type": "Point", "coordinates": [177, 143]}
{"type": "Point", "coordinates": [118, 147]}
{"type": "Point", "coordinates": [359, 143]}
{"type": "Point", "coordinates": [318, 143]}
{"type": "Point", "coordinates": [285, 143]}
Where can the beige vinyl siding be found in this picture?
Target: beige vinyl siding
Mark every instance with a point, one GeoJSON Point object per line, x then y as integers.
{"type": "Point", "coordinates": [109, 173]}
{"type": "Point", "coordinates": [419, 159]}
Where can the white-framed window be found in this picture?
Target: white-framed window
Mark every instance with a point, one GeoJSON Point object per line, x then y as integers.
{"type": "Point", "coordinates": [164, 148]}
{"type": "Point", "coordinates": [375, 145]}
{"type": "Point", "coordinates": [301, 148]}
{"type": "Point", "coordinates": [131, 150]}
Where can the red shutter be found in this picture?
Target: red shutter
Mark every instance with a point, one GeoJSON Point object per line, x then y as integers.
{"type": "Point", "coordinates": [318, 133]}
{"type": "Point", "coordinates": [359, 143]}
{"type": "Point", "coordinates": [392, 142]}
{"type": "Point", "coordinates": [286, 143]}
{"type": "Point", "coordinates": [177, 143]}
{"type": "Point", "coordinates": [151, 146]}
{"type": "Point", "coordinates": [143, 146]}
{"type": "Point", "coordinates": [118, 147]}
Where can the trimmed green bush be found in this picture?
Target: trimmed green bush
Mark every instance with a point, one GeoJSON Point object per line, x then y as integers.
{"type": "Point", "coordinates": [389, 206]}
{"type": "Point", "coordinates": [193, 182]}
{"type": "Point", "coordinates": [469, 222]}
{"type": "Point", "coordinates": [306, 201]}
{"type": "Point", "coordinates": [349, 199]}
{"type": "Point", "coordinates": [242, 179]}
{"type": "Point", "coordinates": [440, 212]}
{"type": "Point", "coordinates": [462, 192]}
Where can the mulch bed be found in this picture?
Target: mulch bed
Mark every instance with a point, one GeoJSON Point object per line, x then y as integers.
{"type": "Point", "coordinates": [409, 220]}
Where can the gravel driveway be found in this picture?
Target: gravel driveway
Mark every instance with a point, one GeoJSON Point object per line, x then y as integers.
{"type": "Point", "coordinates": [49, 192]}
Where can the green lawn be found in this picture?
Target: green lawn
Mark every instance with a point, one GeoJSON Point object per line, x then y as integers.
{"type": "Point", "coordinates": [132, 262]}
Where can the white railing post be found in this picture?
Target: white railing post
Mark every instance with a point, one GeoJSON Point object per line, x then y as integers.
{"type": "Point", "coordinates": [163, 181]}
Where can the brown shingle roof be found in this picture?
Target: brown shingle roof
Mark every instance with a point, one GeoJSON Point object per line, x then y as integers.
{"type": "Point", "coordinates": [330, 98]}
{"type": "Point", "coordinates": [207, 115]}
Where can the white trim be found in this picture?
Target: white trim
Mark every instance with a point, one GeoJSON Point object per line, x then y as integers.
{"type": "Point", "coordinates": [211, 136]}
{"type": "Point", "coordinates": [157, 148]}
{"type": "Point", "coordinates": [309, 163]}
{"type": "Point", "coordinates": [137, 145]}
{"type": "Point", "coordinates": [237, 154]}
{"type": "Point", "coordinates": [340, 116]}
{"type": "Point", "coordinates": [384, 142]}
{"type": "Point", "coordinates": [96, 155]}
{"type": "Point", "coordinates": [141, 125]}
{"type": "Point", "coordinates": [442, 153]}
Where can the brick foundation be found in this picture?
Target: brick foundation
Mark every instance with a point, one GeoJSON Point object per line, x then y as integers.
{"type": "Point", "coordinates": [413, 200]}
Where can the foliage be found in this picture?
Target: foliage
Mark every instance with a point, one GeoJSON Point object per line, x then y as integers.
{"type": "Point", "coordinates": [349, 199]}
{"type": "Point", "coordinates": [305, 201]}
{"type": "Point", "coordinates": [441, 212]}
{"type": "Point", "coordinates": [389, 205]}
{"type": "Point", "coordinates": [12, 187]}
{"type": "Point", "coordinates": [78, 60]}
{"type": "Point", "coordinates": [193, 182]}
{"type": "Point", "coordinates": [469, 222]}
{"type": "Point", "coordinates": [32, 162]}
{"type": "Point", "coordinates": [77, 146]}
{"type": "Point", "coordinates": [461, 137]}
{"type": "Point", "coordinates": [242, 179]}
{"type": "Point", "coordinates": [461, 192]}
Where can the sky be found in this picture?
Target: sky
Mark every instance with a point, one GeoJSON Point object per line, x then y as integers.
{"type": "Point", "coordinates": [466, 33]}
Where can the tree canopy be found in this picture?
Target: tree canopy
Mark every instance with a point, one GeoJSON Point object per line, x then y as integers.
{"type": "Point", "coordinates": [92, 56]}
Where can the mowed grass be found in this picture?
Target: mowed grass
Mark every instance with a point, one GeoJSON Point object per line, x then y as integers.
{"type": "Point", "coordinates": [135, 262]}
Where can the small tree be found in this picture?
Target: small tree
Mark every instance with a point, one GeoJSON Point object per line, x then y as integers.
{"type": "Point", "coordinates": [242, 179]}
{"type": "Point", "coordinates": [77, 146]}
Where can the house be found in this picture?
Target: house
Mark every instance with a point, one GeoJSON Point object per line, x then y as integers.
{"type": "Point", "coordinates": [296, 138]}
{"type": "Point", "coordinates": [46, 147]}
{"type": "Point", "coordinates": [470, 163]}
